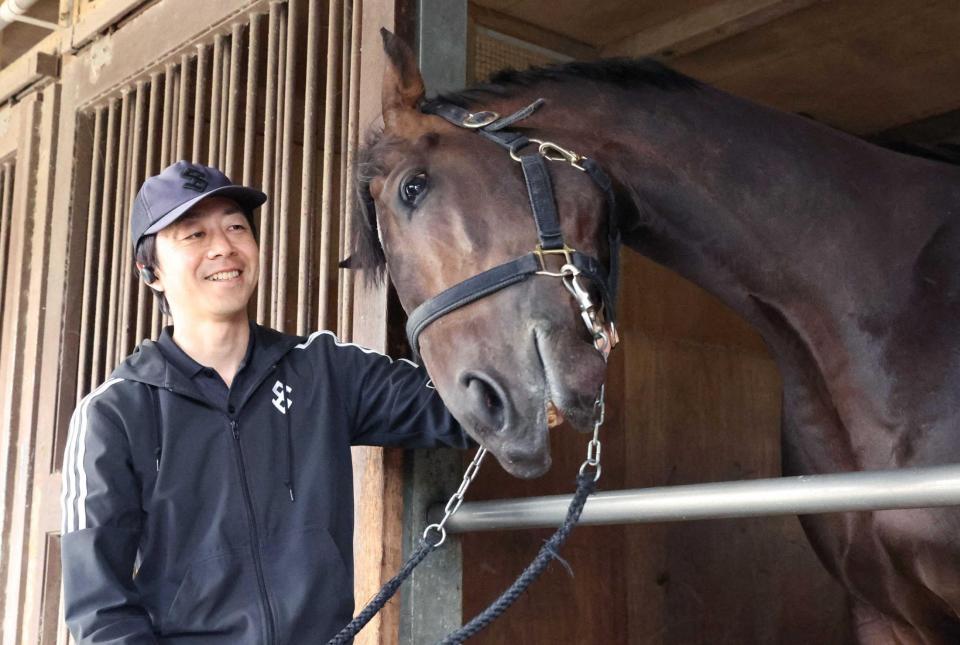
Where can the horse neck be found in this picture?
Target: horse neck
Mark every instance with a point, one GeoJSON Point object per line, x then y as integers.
{"type": "Point", "coordinates": [811, 235]}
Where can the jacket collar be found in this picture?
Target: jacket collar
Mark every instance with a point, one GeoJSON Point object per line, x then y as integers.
{"type": "Point", "coordinates": [147, 364]}
{"type": "Point", "coordinates": [185, 363]}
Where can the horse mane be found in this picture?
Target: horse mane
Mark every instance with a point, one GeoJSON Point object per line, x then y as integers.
{"type": "Point", "coordinates": [623, 72]}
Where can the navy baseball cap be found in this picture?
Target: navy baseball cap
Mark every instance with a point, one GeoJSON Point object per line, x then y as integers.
{"type": "Point", "coordinates": [166, 197]}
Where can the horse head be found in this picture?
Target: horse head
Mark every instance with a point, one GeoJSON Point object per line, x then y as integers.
{"type": "Point", "coordinates": [440, 205]}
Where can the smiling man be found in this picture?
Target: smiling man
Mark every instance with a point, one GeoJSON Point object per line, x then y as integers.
{"type": "Point", "coordinates": [207, 484]}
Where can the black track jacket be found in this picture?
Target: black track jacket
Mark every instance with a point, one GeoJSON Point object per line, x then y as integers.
{"type": "Point", "coordinates": [178, 523]}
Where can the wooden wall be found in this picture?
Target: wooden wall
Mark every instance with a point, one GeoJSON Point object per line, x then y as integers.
{"type": "Point", "coordinates": [693, 397]}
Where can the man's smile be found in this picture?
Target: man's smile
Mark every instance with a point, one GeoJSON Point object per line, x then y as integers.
{"type": "Point", "coordinates": [222, 276]}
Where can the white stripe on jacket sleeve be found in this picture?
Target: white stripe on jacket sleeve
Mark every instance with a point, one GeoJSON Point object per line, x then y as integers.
{"type": "Point", "coordinates": [73, 500]}
{"type": "Point", "coordinates": [340, 343]}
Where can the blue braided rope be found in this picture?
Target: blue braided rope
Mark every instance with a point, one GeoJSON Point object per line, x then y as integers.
{"type": "Point", "coordinates": [585, 485]}
{"type": "Point", "coordinates": [345, 635]}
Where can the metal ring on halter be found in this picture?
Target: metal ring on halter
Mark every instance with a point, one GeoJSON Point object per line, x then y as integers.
{"type": "Point", "coordinates": [513, 151]}
{"type": "Point", "coordinates": [601, 343]}
{"type": "Point", "coordinates": [566, 271]}
{"type": "Point", "coordinates": [551, 152]}
{"type": "Point", "coordinates": [436, 527]}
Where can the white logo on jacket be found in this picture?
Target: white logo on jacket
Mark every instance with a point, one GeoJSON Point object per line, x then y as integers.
{"type": "Point", "coordinates": [283, 402]}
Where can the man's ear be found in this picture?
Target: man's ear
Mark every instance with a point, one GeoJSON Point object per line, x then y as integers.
{"type": "Point", "coordinates": [403, 88]}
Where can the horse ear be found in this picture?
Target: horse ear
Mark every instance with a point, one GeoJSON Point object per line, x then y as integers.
{"type": "Point", "coordinates": [402, 84]}
{"type": "Point", "coordinates": [348, 263]}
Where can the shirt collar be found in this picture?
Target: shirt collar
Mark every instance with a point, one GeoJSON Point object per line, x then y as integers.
{"type": "Point", "coordinates": [184, 363]}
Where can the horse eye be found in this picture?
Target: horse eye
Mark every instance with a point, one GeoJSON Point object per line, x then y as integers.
{"type": "Point", "coordinates": [413, 188]}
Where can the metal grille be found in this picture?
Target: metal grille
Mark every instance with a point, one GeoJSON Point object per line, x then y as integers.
{"type": "Point", "coordinates": [493, 51]}
{"type": "Point", "coordinates": [271, 101]}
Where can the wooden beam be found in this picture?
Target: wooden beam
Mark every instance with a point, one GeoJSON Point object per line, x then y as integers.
{"type": "Point", "coordinates": [530, 33]}
{"type": "Point", "coordinates": [377, 472]}
{"type": "Point", "coordinates": [116, 60]}
{"type": "Point", "coordinates": [698, 29]}
{"type": "Point", "coordinates": [27, 70]}
{"type": "Point", "coordinates": [90, 20]}
{"type": "Point", "coordinates": [35, 438]}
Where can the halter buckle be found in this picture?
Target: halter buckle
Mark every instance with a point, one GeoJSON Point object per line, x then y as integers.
{"type": "Point", "coordinates": [477, 120]}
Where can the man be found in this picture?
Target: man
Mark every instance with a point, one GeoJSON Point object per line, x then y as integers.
{"type": "Point", "coordinates": [207, 492]}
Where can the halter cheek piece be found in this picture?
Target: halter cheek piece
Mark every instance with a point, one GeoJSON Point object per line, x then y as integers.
{"type": "Point", "coordinates": [599, 321]}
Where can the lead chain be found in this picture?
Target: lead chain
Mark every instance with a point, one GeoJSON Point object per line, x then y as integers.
{"type": "Point", "coordinates": [453, 504]}
{"type": "Point", "coordinates": [594, 447]}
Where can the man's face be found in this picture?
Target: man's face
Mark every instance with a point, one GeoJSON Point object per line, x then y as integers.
{"type": "Point", "coordinates": [208, 262]}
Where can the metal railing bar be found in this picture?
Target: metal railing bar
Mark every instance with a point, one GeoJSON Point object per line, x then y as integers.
{"type": "Point", "coordinates": [931, 486]}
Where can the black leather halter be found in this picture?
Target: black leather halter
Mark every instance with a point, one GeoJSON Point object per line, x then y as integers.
{"type": "Point", "coordinates": [540, 190]}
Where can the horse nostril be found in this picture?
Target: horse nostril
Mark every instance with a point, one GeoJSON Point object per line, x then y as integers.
{"type": "Point", "coordinates": [487, 400]}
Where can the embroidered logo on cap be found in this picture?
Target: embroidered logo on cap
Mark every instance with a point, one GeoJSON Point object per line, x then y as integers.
{"type": "Point", "coordinates": [198, 181]}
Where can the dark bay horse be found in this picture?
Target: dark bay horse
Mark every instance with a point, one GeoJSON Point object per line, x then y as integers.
{"type": "Point", "coordinates": [845, 257]}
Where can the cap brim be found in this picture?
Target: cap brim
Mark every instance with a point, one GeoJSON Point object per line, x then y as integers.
{"type": "Point", "coordinates": [247, 198]}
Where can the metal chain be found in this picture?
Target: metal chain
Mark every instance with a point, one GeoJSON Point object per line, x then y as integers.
{"type": "Point", "coordinates": [601, 341]}
{"type": "Point", "coordinates": [453, 504]}
{"type": "Point", "coordinates": [594, 447]}
{"type": "Point", "coordinates": [425, 548]}
{"type": "Point", "coordinates": [584, 487]}
{"type": "Point", "coordinates": [549, 552]}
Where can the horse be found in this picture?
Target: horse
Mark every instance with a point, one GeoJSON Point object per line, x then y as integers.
{"type": "Point", "coordinates": [843, 255]}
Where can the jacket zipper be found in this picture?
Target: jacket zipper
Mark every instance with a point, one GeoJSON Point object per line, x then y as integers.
{"type": "Point", "coordinates": [255, 540]}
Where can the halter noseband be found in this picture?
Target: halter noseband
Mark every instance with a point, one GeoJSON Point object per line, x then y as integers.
{"type": "Point", "coordinates": [540, 191]}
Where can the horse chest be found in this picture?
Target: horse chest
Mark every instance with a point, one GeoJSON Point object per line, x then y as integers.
{"type": "Point", "coordinates": [901, 562]}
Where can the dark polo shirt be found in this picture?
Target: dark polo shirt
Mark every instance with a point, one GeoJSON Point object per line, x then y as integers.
{"type": "Point", "coordinates": [206, 379]}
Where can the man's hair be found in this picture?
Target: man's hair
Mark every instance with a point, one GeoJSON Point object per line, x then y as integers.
{"type": "Point", "coordinates": [146, 254]}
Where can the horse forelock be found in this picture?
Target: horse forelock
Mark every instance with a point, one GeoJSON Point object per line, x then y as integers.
{"type": "Point", "coordinates": [368, 251]}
